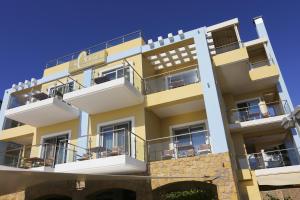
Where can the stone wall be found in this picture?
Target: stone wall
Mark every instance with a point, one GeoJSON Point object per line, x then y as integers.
{"type": "Point", "coordinates": [211, 165]}
{"type": "Point", "coordinates": [282, 194]}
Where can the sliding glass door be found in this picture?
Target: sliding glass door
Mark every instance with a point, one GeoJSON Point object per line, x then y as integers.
{"type": "Point", "coordinates": [116, 136]}
{"type": "Point", "coordinates": [55, 148]}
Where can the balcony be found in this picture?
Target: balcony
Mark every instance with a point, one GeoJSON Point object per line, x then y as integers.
{"type": "Point", "coordinates": [117, 151]}
{"type": "Point", "coordinates": [107, 90]}
{"type": "Point", "coordinates": [179, 146]}
{"type": "Point", "coordinates": [260, 114]}
{"type": "Point", "coordinates": [262, 70]}
{"type": "Point", "coordinates": [38, 109]}
{"type": "Point", "coordinates": [174, 92]}
{"type": "Point", "coordinates": [276, 167]}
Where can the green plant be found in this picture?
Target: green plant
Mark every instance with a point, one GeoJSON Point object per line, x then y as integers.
{"type": "Point", "coordinates": [194, 194]}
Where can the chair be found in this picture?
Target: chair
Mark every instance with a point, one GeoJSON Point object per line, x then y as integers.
{"type": "Point", "coordinates": [167, 154]}
{"type": "Point", "coordinates": [204, 148]}
{"type": "Point", "coordinates": [190, 152]}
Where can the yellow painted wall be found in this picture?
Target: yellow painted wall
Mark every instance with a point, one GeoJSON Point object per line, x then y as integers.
{"type": "Point", "coordinates": [137, 112]}
{"type": "Point", "coordinates": [230, 57]}
{"type": "Point", "coordinates": [249, 189]}
{"type": "Point", "coordinates": [185, 93]}
{"type": "Point", "coordinates": [153, 124]}
{"type": "Point", "coordinates": [62, 128]}
{"type": "Point", "coordinates": [166, 123]}
{"type": "Point", "coordinates": [264, 72]}
{"type": "Point", "coordinates": [135, 61]}
{"type": "Point", "coordinates": [15, 134]}
{"type": "Point", "coordinates": [55, 69]}
{"type": "Point", "coordinates": [125, 46]}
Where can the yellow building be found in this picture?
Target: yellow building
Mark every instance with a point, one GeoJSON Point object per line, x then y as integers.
{"type": "Point", "coordinates": [132, 119]}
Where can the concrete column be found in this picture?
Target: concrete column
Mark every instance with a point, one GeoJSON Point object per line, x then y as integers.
{"type": "Point", "coordinates": [84, 117]}
{"type": "Point", "coordinates": [282, 89]}
{"type": "Point", "coordinates": [211, 97]}
{"type": "Point", "coordinates": [5, 104]}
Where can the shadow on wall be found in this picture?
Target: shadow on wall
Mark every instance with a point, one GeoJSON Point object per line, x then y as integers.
{"type": "Point", "coordinates": [186, 190]}
{"type": "Point", "coordinates": [54, 197]}
{"type": "Point", "coordinates": [113, 194]}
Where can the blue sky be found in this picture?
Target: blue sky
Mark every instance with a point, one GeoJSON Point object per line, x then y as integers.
{"type": "Point", "coordinates": [33, 32]}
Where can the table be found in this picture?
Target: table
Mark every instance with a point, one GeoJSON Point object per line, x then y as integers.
{"type": "Point", "coordinates": [97, 150]}
{"type": "Point", "coordinates": [188, 150]}
{"type": "Point", "coordinates": [34, 161]}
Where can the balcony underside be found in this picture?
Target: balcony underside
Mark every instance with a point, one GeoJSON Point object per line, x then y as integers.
{"type": "Point", "coordinates": [111, 165]}
{"type": "Point", "coordinates": [257, 124]}
{"type": "Point", "coordinates": [249, 81]}
{"type": "Point", "coordinates": [289, 175]}
{"type": "Point", "coordinates": [105, 97]}
{"type": "Point", "coordinates": [43, 113]}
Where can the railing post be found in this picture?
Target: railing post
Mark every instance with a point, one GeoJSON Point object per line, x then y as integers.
{"type": "Point", "coordinates": [20, 157]}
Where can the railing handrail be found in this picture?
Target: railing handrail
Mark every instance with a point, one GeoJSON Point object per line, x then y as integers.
{"type": "Point", "coordinates": [173, 136]}
{"type": "Point", "coordinates": [172, 71]}
{"type": "Point", "coordinates": [255, 106]}
{"type": "Point", "coordinates": [260, 61]}
{"type": "Point", "coordinates": [96, 45]}
{"type": "Point", "coordinates": [273, 151]}
{"type": "Point", "coordinates": [225, 45]}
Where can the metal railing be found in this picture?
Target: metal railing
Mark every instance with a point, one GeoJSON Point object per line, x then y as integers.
{"type": "Point", "coordinates": [95, 48]}
{"type": "Point", "coordinates": [127, 71]}
{"type": "Point", "coordinates": [30, 156]}
{"type": "Point", "coordinates": [59, 88]}
{"type": "Point", "coordinates": [172, 79]}
{"type": "Point", "coordinates": [269, 159]}
{"type": "Point", "coordinates": [261, 63]}
{"type": "Point", "coordinates": [227, 47]}
{"type": "Point", "coordinates": [178, 146]}
{"type": "Point", "coordinates": [262, 110]}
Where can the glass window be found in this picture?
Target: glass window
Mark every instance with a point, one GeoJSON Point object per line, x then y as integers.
{"type": "Point", "coordinates": [55, 148]}
{"type": "Point", "coordinates": [116, 73]}
{"type": "Point", "coordinates": [249, 110]}
{"type": "Point", "coordinates": [115, 135]}
{"type": "Point", "coordinates": [62, 89]}
{"type": "Point", "coordinates": [191, 135]}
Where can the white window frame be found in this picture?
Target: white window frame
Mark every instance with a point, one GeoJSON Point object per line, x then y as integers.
{"type": "Point", "coordinates": [49, 135]}
{"type": "Point", "coordinates": [131, 119]}
{"type": "Point", "coordinates": [188, 124]}
{"type": "Point", "coordinates": [115, 67]}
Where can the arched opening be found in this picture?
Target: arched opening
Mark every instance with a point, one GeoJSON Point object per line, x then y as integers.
{"type": "Point", "coordinates": [113, 194]}
{"type": "Point", "coordinates": [186, 190]}
{"type": "Point", "coordinates": [54, 197]}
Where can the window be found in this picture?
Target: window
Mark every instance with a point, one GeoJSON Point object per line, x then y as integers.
{"type": "Point", "coordinates": [115, 136]}
{"type": "Point", "coordinates": [193, 135]}
{"type": "Point", "coordinates": [249, 110]}
{"type": "Point", "coordinates": [117, 73]}
{"type": "Point", "coordinates": [55, 148]}
{"type": "Point", "coordinates": [182, 79]}
{"type": "Point", "coordinates": [61, 89]}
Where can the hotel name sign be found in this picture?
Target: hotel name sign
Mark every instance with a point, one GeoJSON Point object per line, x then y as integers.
{"type": "Point", "coordinates": [85, 60]}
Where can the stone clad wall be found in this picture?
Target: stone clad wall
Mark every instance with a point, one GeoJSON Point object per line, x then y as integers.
{"type": "Point", "coordinates": [282, 194]}
{"type": "Point", "coordinates": [212, 165]}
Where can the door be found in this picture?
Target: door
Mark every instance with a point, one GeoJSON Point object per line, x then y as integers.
{"type": "Point", "coordinates": [55, 148]}
{"type": "Point", "coordinates": [249, 110]}
{"type": "Point", "coordinates": [116, 136]}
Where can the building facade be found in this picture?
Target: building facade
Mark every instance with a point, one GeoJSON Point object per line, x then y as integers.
{"type": "Point", "coordinates": [134, 119]}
